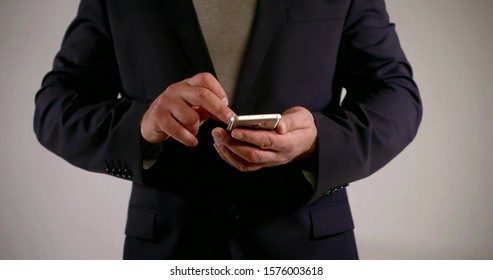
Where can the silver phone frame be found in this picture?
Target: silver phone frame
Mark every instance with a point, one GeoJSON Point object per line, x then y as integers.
{"type": "Point", "coordinates": [258, 121]}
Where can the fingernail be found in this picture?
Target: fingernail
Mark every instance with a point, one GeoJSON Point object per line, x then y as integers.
{"type": "Point", "coordinates": [225, 101]}
{"type": "Point", "coordinates": [230, 115]}
{"type": "Point", "coordinates": [217, 135]}
{"type": "Point", "coordinates": [237, 135]}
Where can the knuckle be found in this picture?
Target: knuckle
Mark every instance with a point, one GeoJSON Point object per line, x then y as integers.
{"type": "Point", "coordinates": [189, 123]}
{"type": "Point", "coordinates": [153, 111]}
{"type": "Point", "coordinates": [171, 88]}
{"type": "Point", "coordinates": [205, 78]}
{"type": "Point", "coordinates": [267, 143]}
{"type": "Point", "coordinates": [252, 156]}
{"type": "Point", "coordinates": [298, 109]}
{"type": "Point", "coordinates": [190, 119]}
{"type": "Point", "coordinates": [202, 93]}
{"type": "Point", "coordinates": [159, 102]}
{"type": "Point", "coordinates": [173, 131]}
{"type": "Point", "coordinates": [157, 112]}
{"type": "Point", "coordinates": [243, 167]}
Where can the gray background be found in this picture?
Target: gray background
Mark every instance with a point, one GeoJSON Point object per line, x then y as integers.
{"type": "Point", "coordinates": [432, 202]}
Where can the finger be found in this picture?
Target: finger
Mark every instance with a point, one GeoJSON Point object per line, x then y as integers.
{"type": "Point", "coordinates": [235, 161]}
{"type": "Point", "coordinates": [186, 116]}
{"type": "Point", "coordinates": [265, 140]}
{"type": "Point", "coordinates": [203, 114]}
{"type": "Point", "coordinates": [149, 128]}
{"type": "Point", "coordinates": [167, 107]}
{"type": "Point", "coordinates": [152, 134]}
{"type": "Point", "coordinates": [202, 97]}
{"type": "Point", "coordinates": [248, 153]}
{"type": "Point", "coordinates": [294, 118]}
{"type": "Point", "coordinates": [208, 81]}
{"type": "Point", "coordinates": [165, 122]}
{"type": "Point", "coordinates": [176, 130]}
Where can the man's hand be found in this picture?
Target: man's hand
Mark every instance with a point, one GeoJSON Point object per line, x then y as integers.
{"type": "Point", "coordinates": [248, 150]}
{"type": "Point", "coordinates": [183, 107]}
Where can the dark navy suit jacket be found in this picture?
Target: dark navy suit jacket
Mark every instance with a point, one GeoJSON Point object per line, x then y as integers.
{"type": "Point", "coordinates": [118, 55]}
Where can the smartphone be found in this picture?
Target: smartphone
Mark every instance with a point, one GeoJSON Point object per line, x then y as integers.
{"type": "Point", "coordinates": [262, 121]}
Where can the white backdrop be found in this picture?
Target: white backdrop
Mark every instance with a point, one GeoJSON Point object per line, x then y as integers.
{"type": "Point", "coordinates": [432, 202]}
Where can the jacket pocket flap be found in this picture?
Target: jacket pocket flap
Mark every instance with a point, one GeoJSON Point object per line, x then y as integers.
{"type": "Point", "coordinates": [331, 219]}
{"type": "Point", "coordinates": [140, 223]}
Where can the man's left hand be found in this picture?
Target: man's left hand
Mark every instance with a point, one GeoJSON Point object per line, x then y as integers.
{"type": "Point", "coordinates": [294, 138]}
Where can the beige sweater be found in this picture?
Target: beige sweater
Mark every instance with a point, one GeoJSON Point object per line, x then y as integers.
{"type": "Point", "coordinates": [226, 25]}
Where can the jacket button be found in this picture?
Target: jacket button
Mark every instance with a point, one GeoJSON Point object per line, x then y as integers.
{"type": "Point", "coordinates": [111, 171]}
{"type": "Point", "coordinates": [234, 213]}
{"type": "Point", "coordinates": [127, 173]}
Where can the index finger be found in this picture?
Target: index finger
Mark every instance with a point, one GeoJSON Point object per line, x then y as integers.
{"type": "Point", "coordinates": [208, 81]}
{"type": "Point", "coordinates": [210, 95]}
{"type": "Point", "coordinates": [206, 100]}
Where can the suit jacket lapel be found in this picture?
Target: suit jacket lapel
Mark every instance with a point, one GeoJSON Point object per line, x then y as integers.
{"type": "Point", "coordinates": [184, 20]}
{"type": "Point", "coordinates": [268, 19]}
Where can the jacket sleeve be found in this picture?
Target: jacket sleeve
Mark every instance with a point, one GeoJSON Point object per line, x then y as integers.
{"type": "Point", "coordinates": [81, 113]}
{"type": "Point", "coordinates": [381, 111]}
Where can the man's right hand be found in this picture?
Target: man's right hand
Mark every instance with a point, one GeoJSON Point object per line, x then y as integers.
{"type": "Point", "coordinates": [181, 109]}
